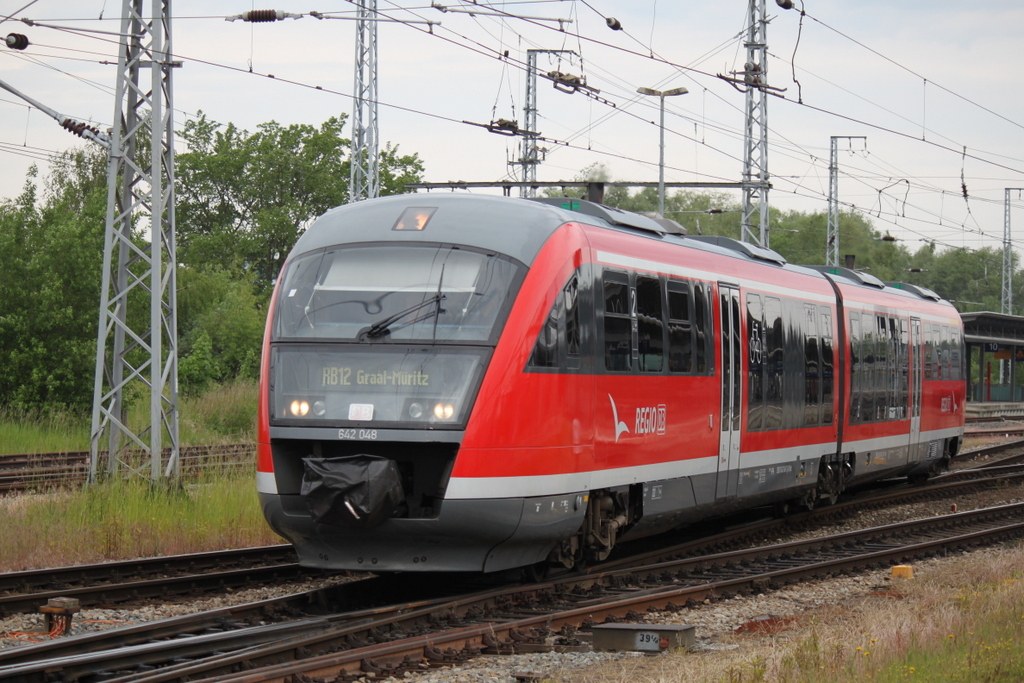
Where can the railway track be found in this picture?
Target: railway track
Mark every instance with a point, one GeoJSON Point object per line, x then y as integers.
{"type": "Point", "coordinates": [110, 583]}
{"type": "Point", "coordinates": [543, 616]}
{"type": "Point", "coordinates": [347, 618]}
{"type": "Point", "coordinates": [35, 471]}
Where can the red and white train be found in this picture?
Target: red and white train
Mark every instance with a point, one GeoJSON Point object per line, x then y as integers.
{"type": "Point", "coordinates": [470, 383]}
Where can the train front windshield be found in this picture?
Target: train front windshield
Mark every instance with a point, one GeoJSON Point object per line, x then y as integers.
{"type": "Point", "coordinates": [392, 293]}
{"type": "Point", "coordinates": [386, 335]}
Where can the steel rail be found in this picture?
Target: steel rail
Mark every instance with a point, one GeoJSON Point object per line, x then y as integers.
{"type": "Point", "coordinates": [26, 590]}
{"type": "Point", "coordinates": [510, 615]}
{"type": "Point", "coordinates": [960, 482]}
{"type": "Point", "coordinates": [730, 537]}
{"type": "Point", "coordinates": [162, 588]}
{"type": "Point", "coordinates": [21, 472]}
{"type": "Point", "coordinates": [311, 656]}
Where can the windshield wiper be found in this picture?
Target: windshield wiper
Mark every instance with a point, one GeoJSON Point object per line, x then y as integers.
{"type": "Point", "coordinates": [381, 327]}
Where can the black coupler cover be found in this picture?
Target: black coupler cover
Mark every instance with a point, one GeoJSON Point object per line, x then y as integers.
{"type": "Point", "coordinates": [352, 491]}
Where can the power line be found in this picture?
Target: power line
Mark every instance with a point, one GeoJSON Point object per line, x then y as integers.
{"type": "Point", "coordinates": [493, 54]}
{"type": "Point", "coordinates": [914, 73]}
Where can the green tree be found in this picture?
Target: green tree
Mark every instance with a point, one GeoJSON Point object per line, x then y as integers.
{"type": "Point", "coordinates": [51, 256]}
{"type": "Point", "coordinates": [220, 325]}
{"type": "Point", "coordinates": [244, 198]}
{"type": "Point", "coordinates": [972, 280]}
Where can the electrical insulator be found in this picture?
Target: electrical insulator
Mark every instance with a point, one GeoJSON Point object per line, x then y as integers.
{"type": "Point", "coordinates": [258, 15]}
{"type": "Point", "coordinates": [16, 41]}
{"type": "Point", "coordinates": [613, 23]}
{"type": "Point", "coordinates": [266, 15]}
{"type": "Point", "coordinates": [78, 127]}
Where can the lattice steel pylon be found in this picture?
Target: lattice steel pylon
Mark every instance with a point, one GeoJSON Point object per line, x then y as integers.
{"type": "Point", "coordinates": [832, 234]}
{"type": "Point", "coordinates": [531, 155]}
{"type": "Point", "coordinates": [364, 169]}
{"type": "Point", "coordinates": [1007, 306]}
{"type": "Point", "coordinates": [755, 136]}
{"type": "Point", "coordinates": [137, 347]}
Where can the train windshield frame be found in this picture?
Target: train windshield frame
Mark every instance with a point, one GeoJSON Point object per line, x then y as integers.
{"type": "Point", "coordinates": [405, 292]}
{"type": "Point", "coordinates": [422, 387]}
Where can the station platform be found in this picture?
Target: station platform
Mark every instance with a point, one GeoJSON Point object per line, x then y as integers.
{"type": "Point", "coordinates": [994, 410]}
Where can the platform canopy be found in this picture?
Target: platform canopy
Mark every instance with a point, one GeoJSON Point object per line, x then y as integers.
{"type": "Point", "coordinates": [995, 368]}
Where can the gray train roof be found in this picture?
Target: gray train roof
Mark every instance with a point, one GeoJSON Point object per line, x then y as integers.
{"type": "Point", "coordinates": [520, 227]}
{"type": "Point", "coordinates": [514, 227]}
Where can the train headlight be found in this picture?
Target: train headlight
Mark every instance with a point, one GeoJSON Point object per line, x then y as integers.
{"type": "Point", "coordinates": [299, 408]}
{"type": "Point", "coordinates": [444, 411]}
{"type": "Point", "coordinates": [415, 410]}
{"type": "Point", "coordinates": [319, 408]}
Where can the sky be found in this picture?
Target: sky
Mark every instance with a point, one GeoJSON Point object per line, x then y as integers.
{"type": "Point", "coordinates": [929, 84]}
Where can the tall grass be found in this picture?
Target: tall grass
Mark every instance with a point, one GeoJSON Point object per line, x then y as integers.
{"type": "Point", "coordinates": [42, 432]}
{"type": "Point", "coordinates": [211, 508]}
{"type": "Point", "coordinates": [224, 414]}
{"type": "Point", "coordinates": [126, 519]}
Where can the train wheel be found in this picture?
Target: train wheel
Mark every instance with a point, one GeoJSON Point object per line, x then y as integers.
{"type": "Point", "coordinates": [832, 476]}
{"type": "Point", "coordinates": [536, 573]}
{"type": "Point", "coordinates": [918, 478]}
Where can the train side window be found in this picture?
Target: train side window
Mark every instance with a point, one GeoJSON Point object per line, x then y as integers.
{"type": "Point", "coordinates": [956, 354]}
{"type": "Point", "coordinates": [680, 331]}
{"type": "Point", "coordinates": [737, 354]}
{"type": "Point", "coordinates": [812, 385]}
{"type": "Point", "coordinates": [545, 351]}
{"type": "Point", "coordinates": [702, 323]}
{"type": "Point", "coordinates": [933, 353]}
{"type": "Point", "coordinates": [618, 328]}
{"type": "Point", "coordinates": [570, 297]}
{"type": "Point", "coordinates": [892, 372]}
{"type": "Point", "coordinates": [827, 367]}
{"type": "Point", "coordinates": [944, 356]}
{"type": "Point", "coordinates": [775, 362]}
{"type": "Point", "coordinates": [904, 369]}
{"type": "Point", "coordinates": [867, 365]}
{"type": "Point", "coordinates": [856, 368]}
{"type": "Point", "coordinates": [650, 324]}
{"type": "Point", "coordinates": [755, 362]}
{"type": "Point", "coordinates": [883, 349]}
{"type": "Point", "coordinates": [929, 366]}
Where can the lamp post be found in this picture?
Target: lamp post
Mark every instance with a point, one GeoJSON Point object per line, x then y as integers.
{"type": "Point", "coordinates": [661, 95]}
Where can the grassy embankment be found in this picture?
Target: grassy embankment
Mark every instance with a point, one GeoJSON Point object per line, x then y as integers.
{"type": "Point", "coordinates": [212, 509]}
{"type": "Point", "coordinates": [961, 622]}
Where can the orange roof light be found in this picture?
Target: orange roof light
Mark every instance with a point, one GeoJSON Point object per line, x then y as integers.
{"type": "Point", "coordinates": [414, 218]}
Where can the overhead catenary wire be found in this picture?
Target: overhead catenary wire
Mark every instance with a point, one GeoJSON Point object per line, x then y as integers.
{"type": "Point", "coordinates": [489, 53]}
{"type": "Point", "coordinates": [621, 156]}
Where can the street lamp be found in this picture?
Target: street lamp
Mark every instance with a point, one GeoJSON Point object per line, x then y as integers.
{"type": "Point", "coordinates": [661, 95]}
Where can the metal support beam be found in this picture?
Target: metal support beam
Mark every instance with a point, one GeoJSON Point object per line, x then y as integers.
{"type": "Point", "coordinates": [137, 347]}
{"type": "Point", "coordinates": [531, 156]}
{"type": "Point", "coordinates": [832, 234]}
{"type": "Point", "coordinates": [1008, 254]}
{"type": "Point", "coordinates": [755, 136]}
{"type": "Point", "coordinates": [364, 169]}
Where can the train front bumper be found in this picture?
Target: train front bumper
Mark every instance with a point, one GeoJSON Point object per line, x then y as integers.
{"type": "Point", "coordinates": [468, 535]}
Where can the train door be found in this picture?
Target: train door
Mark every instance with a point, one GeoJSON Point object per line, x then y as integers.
{"type": "Point", "coordinates": [729, 443]}
{"type": "Point", "coordinates": [916, 370]}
